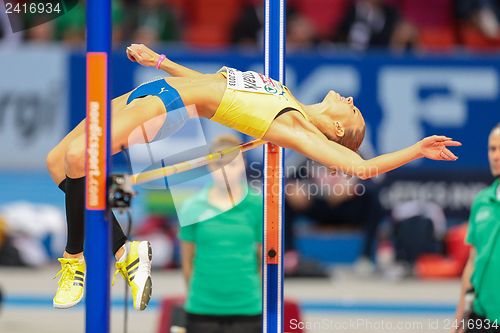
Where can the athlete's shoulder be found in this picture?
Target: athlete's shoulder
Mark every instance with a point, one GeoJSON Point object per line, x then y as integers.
{"type": "Point", "coordinates": [290, 130]}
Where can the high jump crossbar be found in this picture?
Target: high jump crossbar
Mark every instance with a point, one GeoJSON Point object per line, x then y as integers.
{"type": "Point", "coordinates": [170, 170]}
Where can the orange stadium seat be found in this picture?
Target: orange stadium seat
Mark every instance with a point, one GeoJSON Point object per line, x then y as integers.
{"type": "Point", "coordinates": [434, 266]}
{"type": "Point", "coordinates": [436, 38]}
{"type": "Point", "coordinates": [474, 39]}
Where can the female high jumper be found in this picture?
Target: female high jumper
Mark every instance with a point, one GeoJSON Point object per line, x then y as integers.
{"type": "Point", "coordinates": [329, 132]}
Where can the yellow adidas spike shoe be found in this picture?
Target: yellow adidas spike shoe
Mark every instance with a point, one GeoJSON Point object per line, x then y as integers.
{"type": "Point", "coordinates": [71, 283]}
{"type": "Point", "coordinates": [136, 270]}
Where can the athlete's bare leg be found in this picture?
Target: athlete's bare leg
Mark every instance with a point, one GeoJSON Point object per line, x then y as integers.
{"type": "Point", "coordinates": [124, 128]}
{"type": "Point", "coordinates": [55, 158]}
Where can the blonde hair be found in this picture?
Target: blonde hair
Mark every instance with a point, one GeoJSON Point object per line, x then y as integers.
{"type": "Point", "coordinates": [353, 137]}
{"type": "Point", "coordinates": [496, 128]}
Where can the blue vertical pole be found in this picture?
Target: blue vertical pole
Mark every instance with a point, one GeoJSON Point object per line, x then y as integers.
{"type": "Point", "coordinates": [274, 49]}
{"type": "Point", "coordinates": [97, 228]}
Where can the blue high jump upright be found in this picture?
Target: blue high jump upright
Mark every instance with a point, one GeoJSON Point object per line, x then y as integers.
{"type": "Point", "coordinates": [272, 263]}
{"type": "Point", "coordinates": [97, 159]}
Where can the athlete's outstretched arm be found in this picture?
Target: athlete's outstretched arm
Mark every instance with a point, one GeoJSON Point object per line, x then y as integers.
{"type": "Point", "coordinates": [304, 138]}
{"type": "Point", "coordinates": [143, 55]}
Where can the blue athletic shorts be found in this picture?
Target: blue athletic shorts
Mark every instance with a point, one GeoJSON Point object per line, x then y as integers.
{"type": "Point", "coordinates": [171, 100]}
{"type": "Point", "coordinates": [168, 95]}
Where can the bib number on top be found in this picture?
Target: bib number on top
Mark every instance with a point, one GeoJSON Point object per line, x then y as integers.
{"type": "Point", "coordinates": [252, 82]}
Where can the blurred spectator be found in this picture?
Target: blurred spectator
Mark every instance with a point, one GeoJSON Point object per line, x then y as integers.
{"type": "Point", "coordinates": [221, 254]}
{"type": "Point", "coordinates": [294, 265]}
{"type": "Point", "coordinates": [373, 24]}
{"type": "Point", "coordinates": [247, 31]}
{"type": "Point", "coordinates": [301, 34]}
{"type": "Point", "coordinates": [419, 228]}
{"type": "Point", "coordinates": [248, 27]}
{"type": "Point", "coordinates": [151, 21]}
{"type": "Point", "coordinates": [9, 255]}
{"type": "Point", "coordinates": [40, 30]}
{"type": "Point", "coordinates": [34, 231]}
{"type": "Point", "coordinates": [71, 26]}
{"type": "Point", "coordinates": [484, 14]}
{"type": "Point", "coordinates": [405, 37]}
{"type": "Point", "coordinates": [338, 201]}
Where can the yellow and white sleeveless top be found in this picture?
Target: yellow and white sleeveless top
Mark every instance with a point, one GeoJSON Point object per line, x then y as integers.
{"type": "Point", "coordinates": [252, 101]}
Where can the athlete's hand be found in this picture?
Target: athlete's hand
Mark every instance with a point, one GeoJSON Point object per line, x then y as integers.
{"type": "Point", "coordinates": [436, 148]}
{"type": "Point", "coordinates": [142, 54]}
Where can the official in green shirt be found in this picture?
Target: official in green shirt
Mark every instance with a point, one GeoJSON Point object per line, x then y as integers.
{"type": "Point", "coordinates": [221, 254]}
{"type": "Point", "coordinates": [482, 273]}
